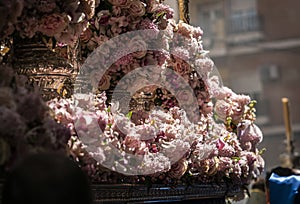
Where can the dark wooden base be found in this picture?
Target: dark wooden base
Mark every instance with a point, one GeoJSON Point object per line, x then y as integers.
{"type": "Point", "coordinates": [137, 194]}
{"type": "Point", "coordinates": [128, 193]}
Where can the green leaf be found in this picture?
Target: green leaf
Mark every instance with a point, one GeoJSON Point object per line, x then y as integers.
{"type": "Point", "coordinates": [236, 158]}
{"type": "Point", "coordinates": [262, 151]}
{"type": "Point", "coordinates": [158, 15]}
{"type": "Point", "coordinates": [129, 114]}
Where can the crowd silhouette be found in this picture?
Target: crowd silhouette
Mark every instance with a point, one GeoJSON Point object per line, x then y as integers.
{"type": "Point", "coordinates": [47, 178]}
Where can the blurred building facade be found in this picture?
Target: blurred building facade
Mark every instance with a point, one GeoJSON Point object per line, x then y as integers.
{"type": "Point", "coordinates": [255, 45]}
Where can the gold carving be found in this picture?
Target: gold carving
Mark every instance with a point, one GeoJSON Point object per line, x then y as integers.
{"type": "Point", "coordinates": [184, 15]}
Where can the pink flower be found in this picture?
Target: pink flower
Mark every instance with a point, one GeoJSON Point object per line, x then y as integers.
{"type": "Point", "coordinates": [102, 18]}
{"type": "Point", "coordinates": [117, 24]}
{"type": "Point", "coordinates": [222, 109]}
{"type": "Point", "coordinates": [222, 92]}
{"type": "Point", "coordinates": [148, 24]}
{"type": "Point", "coordinates": [98, 81]}
{"type": "Point", "coordinates": [134, 145]}
{"type": "Point", "coordinates": [175, 149]}
{"type": "Point", "coordinates": [146, 132]}
{"type": "Point", "coordinates": [137, 8]}
{"type": "Point", "coordinates": [63, 116]}
{"type": "Point", "coordinates": [123, 57]}
{"type": "Point", "coordinates": [185, 29]}
{"type": "Point", "coordinates": [259, 165]}
{"type": "Point", "coordinates": [28, 27]}
{"type": "Point", "coordinates": [225, 165]}
{"type": "Point", "coordinates": [104, 83]}
{"type": "Point", "coordinates": [251, 133]}
{"type": "Point", "coordinates": [182, 68]}
{"type": "Point", "coordinates": [116, 11]}
{"type": "Point", "coordinates": [220, 144]}
{"type": "Point", "coordinates": [71, 33]}
{"type": "Point", "coordinates": [121, 3]}
{"type": "Point", "coordinates": [197, 32]}
{"type": "Point", "coordinates": [204, 66]}
{"type": "Point", "coordinates": [181, 53]}
{"type": "Point", "coordinates": [86, 35]}
{"type": "Point", "coordinates": [185, 97]}
{"type": "Point", "coordinates": [100, 102]}
{"type": "Point", "coordinates": [246, 146]}
{"type": "Point", "coordinates": [138, 45]}
{"type": "Point", "coordinates": [207, 108]}
{"type": "Point", "coordinates": [225, 149]}
{"type": "Point", "coordinates": [164, 9]}
{"type": "Point", "coordinates": [87, 127]}
{"type": "Point", "coordinates": [204, 151]}
{"type": "Point", "coordinates": [134, 22]}
{"type": "Point", "coordinates": [189, 31]}
{"type": "Point", "coordinates": [208, 166]}
{"type": "Point", "coordinates": [152, 5]}
{"type": "Point", "coordinates": [97, 153]}
{"type": "Point", "coordinates": [249, 156]}
{"type": "Point", "coordinates": [53, 24]}
{"type": "Point", "coordinates": [238, 103]}
{"type": "Point", "coordinates": [178, 169]}
{"type": "Point", "coordinates": [31, 107]}
{"type": "Point", "coordinates": [233, 107]}
{"type": "Point", "coordinates": [99, 40]}
{"type": "Point", "coordinates": [241, 99]}
{"type": "Point", "coordinates": [170, 132]}
{"type": "Point", "coordinates": [10, 10]}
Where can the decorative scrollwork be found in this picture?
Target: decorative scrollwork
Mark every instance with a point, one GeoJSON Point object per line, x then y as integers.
{"type": "Point", "coordinates": [53, 71]}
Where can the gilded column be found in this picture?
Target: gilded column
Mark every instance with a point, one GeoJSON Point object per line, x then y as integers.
{"type": "Point", "coordinates": [183, 6]}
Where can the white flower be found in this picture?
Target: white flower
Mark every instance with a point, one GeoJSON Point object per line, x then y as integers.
{"type": "Point", "coordinates": [175, 149]}
{"type": "Point", "coordinates": [146, 131]}
{"type": "Point", "coordinates": [97, 153]}
{"type": "Point", "coordinates": [153, 163]}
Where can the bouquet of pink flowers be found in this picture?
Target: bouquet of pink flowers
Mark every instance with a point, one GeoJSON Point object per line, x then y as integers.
{"type": "Point", "coordinates": [201, 132]}
{"type": "Point", "coordinates": [63, 20]}
{"type": "Point", "coordinates": [179, 125]}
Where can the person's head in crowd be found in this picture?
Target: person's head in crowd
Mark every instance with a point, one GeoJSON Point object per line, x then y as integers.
{"type": "Point", "coordinates": [47, 178]}
{"type": "Point", "coordinates": [286, 161]}
{"type": "Point", "coordinates": [289, 166]}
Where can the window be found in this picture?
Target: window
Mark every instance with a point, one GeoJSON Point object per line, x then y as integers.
{"type": "Point", "coordinates": [243, 16]}
{"type": "Point", "coordinates": [210, 18]}
{"type": "Point", "coordinates": [244, 21]}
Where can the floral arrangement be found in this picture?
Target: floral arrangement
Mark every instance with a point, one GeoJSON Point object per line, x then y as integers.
{"type": "Point", "coordinates": [61, 20]}
{"type": "Point", "coordinates": [181, 150]}
{"type": "Point", "coordinates": [114, 17]}
{"type": "Point", "coordinates": [202, 132]}
{"type": "Point", "coordinates": [26, 127]}
{"type": "Point", "coordinates": [166, 145]}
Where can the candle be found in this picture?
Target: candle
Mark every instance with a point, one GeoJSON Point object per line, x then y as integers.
{"type": "Point", "coordinates": [288, 129]}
